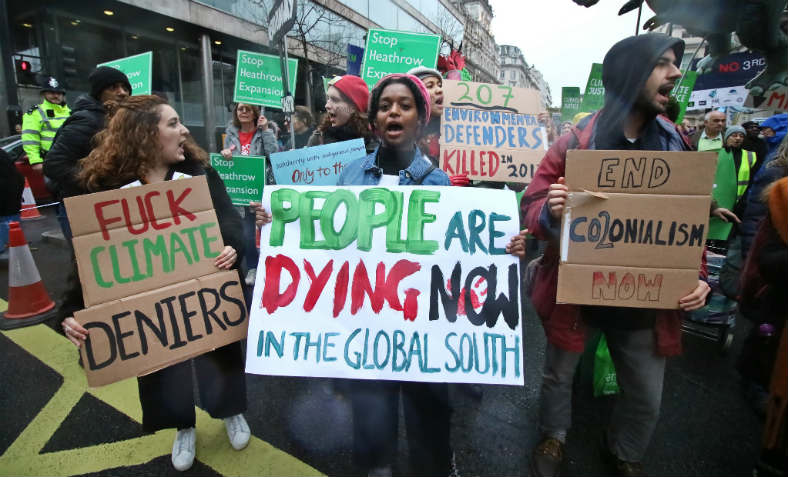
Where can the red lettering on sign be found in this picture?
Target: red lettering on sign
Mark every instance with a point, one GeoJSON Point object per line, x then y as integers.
{"type": "Point", "coordinates": [98, 209]}
{"type": "Point", "coordinates": [175, 206]}
{"type": "Point", "coordinates": [316, 283]}
{"type": "Point", "coordinates": [272, 299]}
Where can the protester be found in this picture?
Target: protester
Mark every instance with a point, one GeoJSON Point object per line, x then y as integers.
{"type": "Point", "coordinates": [249, 134]}
{"type": "Point", "coordinates": [752, 141]}
{"type": "Point", "coordinates": [775, 167]}
{"type": "Point", "coordinates": [145, 143]}
{"type": "Point", "coordinates": [638, 74]}
{"type": "Point", "coordinates": [346, 114]}
{"type": "Point", "coordinates": [566, 127]}
{"type": "Point", "coordinates": [302, 127]}
{"type": "Point", "coordinates": [12, 184]}
{"type": "Point", "coordinates": [774, 130]}
{"type": "Point", "coordinates": [74, 138]}
{"type": "Point", "coordinates": [710, 137]}
{"type": "Point", "coordinates": [41, 122]}
{"type": "Point", "coordinates": [735, 168]}
{"type": "Point", "coordinates": [429, 144]}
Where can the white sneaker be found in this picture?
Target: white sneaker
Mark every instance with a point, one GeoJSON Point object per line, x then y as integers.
{"type": "Point", "coordinates": [250, 276]}
{"type": "Point", "coordinates": [237, 431]}
{"type": "Point", "coordinates": [183, 449]}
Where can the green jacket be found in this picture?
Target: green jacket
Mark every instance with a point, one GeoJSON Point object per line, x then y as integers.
{"type": "Point", "coordinates": [729, 187]}
{"type": "Point", "coordinates": [39, 128]}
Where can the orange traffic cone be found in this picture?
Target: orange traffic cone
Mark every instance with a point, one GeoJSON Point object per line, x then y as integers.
{"type": "Point", "coordinates": [28, 300]}
{"type": "Point", "coordinates": [29, 210]}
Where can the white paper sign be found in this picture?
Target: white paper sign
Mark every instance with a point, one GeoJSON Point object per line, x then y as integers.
{"type": "Point", "coordinates": [398, 283]}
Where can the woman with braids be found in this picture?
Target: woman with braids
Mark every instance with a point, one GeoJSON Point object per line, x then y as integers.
{"type": "Point", "coordinates": [145, 143]}
{"type": "Point", "coordinates": [346, 114]}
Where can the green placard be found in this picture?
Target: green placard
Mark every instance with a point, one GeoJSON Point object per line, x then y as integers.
{"type": "Point", "coordinates": [570, 102]}
{"type": "Point", "coordinates": [682, 92]}
{"type": "Point", "coordinates": [138, 69]}
{"type": "Point", "coordinates": [594, 97]}
{"type": "Point", "coordinates": [243, 176]}
{"type": "Point", "coordinates": [389, 51]}
{"type": "Point", "coordinates": [258, 79]}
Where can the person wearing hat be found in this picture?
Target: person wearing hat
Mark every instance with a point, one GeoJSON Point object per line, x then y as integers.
{"type": "Point", "coordinates": [73, 140]}
{"type": "Point", "coordinates": [41, 122]}
{"type": "Point", "coordinates": [735, 169]}
{"type": "Point", "coordinates": [346, 114]}
{"type": "Point", "coordinates": [752, 141]}
{"type": "Point", "coordinates": [430, 141]}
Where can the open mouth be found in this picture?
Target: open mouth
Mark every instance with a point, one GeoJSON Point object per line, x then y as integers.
{"type": "Point", "coordinates": [439, 101]}
{"type": "Point", "coordinates": [665, 90]}
{"type": "Point", "coordinates": [394, 130]}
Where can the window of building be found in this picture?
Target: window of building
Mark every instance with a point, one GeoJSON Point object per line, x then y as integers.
{"type": "Point", "coordinates": [384, 14]}
{"type": "Point", "coordinates": [248, 10]}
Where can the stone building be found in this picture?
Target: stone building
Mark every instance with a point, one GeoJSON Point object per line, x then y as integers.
{"type": "Point", "coordinates": [515, 71]}
{"type": "Point", "coordinates": [478, 44]}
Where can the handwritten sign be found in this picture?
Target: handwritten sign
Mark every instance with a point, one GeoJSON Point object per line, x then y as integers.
{"type": "Point", "coordinates": [400, 283]}
{"type": "Point", "coordinates": [390, 51]}
{"type": "Point", "coordinates": [243, 176]}
{"type": "Point", "coordinates": [258, 79]}
{"type": "Point", "coordinates": [634, 227]}
{"type": "Point", "coordinates": [138, 69]}
{"type": "Point", "coordinates": [318, 165]}
{"type": "Point", "coordinates": [138, 239]}
{"type": "Point", "coordinates": [491, 132]}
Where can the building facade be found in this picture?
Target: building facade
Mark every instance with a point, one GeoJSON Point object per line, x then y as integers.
{"type": "Point", "coordinates": [195, 45]}
{"type": "Point", "coordinates": [515, 71]}
{"type": "Point", "coordinates": [478, 44]}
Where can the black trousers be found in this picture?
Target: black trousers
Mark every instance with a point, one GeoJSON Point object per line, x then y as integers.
{"type": "Point", "coordinates": [167, 396]}
{"type": "Point", "coordinates": [427, 419]}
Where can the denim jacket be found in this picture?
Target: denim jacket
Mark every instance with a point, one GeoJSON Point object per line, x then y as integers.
{"type": "Point", "coordinates": [364, 171]}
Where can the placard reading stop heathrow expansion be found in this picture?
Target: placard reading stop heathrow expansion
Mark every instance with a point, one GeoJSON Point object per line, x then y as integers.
{"type": "Point", "coordinates": [258, 79]}
{"type": "Point", "coordinates": [397, 52]}
{"type": "Point", "coordinates": [398, 283]}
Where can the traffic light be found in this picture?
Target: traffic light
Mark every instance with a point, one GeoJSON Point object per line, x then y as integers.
{"type": "Point", "coordinates": [69, 55]}
{"type": "Point", "coordinates": [24, 72]}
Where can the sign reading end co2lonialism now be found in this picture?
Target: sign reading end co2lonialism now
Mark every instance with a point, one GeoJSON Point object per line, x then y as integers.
{"type": "Point", "coordinates": [258, 79]}
{"type": "Point", "coordinates": [138, 69]}
{"type": "Point", "coordinates": [390, 51]}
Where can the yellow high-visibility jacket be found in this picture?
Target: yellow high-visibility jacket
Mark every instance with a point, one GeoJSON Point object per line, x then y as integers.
{"type": "Point", "coordinates": [39, 128]}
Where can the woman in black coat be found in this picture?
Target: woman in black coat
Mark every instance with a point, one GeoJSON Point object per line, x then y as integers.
{"type": "Point", "coordinates": [146, 143]}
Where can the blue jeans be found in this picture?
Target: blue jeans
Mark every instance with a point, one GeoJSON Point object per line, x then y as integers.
{"type": "Point", "coordinates": [62, 219]}
{"type": "Point", "coordinates": [4, 220]}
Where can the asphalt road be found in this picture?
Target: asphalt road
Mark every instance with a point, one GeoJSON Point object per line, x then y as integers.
{"type": "Point", "coordinates": [304, 425]}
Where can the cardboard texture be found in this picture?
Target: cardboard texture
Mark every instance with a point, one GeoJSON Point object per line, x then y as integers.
{"type": "Point", "coordinates": [142, 333]}
{"type": "Point", "coordinates": [640, 215]}
{"type": "Point", "coordinates": [655, 288]}
{"type": "Point", "coordinates": [491, 132]}
{"type": "Point", "coordinates": [641, 172]}
{"type": "Point", "coordinates": [637, 230]}
{"type": "Point", "coordinates": [137, 239]}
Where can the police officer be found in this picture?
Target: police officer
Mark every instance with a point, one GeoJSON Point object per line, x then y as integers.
{"type": "Point", "coordinates": [41, 122]}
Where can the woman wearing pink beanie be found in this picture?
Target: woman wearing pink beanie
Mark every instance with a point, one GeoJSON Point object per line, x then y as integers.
{"type": "Point", "coordinates": [346, 114]}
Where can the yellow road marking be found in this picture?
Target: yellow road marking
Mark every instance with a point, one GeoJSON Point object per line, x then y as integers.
{"type": "Point", "coordinates": [3, 305]}
{"type": "Point", "coordinates": [23, 456]}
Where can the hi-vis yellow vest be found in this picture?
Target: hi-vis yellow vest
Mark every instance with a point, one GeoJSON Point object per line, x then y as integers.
{"type": "Point", "coordinates": [39, 128]}
{"type": "Point", "coordinates": [743, 180]}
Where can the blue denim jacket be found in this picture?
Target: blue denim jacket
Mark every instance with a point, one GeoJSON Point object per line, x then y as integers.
{"type": "Point", "coordinates": [365, 172]}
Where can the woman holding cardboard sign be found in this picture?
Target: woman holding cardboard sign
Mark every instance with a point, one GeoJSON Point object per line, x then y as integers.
{"type": "Point", "coordinates": [145, 143]}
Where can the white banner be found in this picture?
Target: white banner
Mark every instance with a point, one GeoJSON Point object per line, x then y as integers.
{"type": "Point", "coordinates": [400, 283]}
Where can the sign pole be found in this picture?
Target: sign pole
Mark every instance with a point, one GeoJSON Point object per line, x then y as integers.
{"type": "Point", "coordinates": [288, 106]}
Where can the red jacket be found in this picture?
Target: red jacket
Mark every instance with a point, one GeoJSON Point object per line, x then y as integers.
{"type": "Point", "coordinates": [562, 323]}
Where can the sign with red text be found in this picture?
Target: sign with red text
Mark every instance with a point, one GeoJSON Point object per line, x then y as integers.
{"type": "Point", "coordinates": [137, 239]}
{"type": "Point", "coordinates": [399, 283]}
{"type": "Point", "coordinates": [634, 227]}
{"type": "Point", "coordinates": [491, 131]}
{"type": "Point", "coordinates": [317, 165]}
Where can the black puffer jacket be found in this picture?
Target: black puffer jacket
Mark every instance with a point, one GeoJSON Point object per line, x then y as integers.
{"type": "Point", "coordinates": [73, 142]}
{"type": "Point", "coordinates": [12, 183]}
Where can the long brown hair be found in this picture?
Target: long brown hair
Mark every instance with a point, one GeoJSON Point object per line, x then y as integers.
{"type": "Point", "coordinates": [255, 113]}
{"type": "Point", "coordinates": [128, 148]}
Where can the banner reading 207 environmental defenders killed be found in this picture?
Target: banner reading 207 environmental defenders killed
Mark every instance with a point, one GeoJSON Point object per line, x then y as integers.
{"type": "Point", "coordinates": [400, 283]}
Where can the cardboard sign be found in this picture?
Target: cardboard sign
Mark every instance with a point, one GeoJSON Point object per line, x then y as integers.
{"type": "Point", "coordinates": [243, 176]}
{"type": "Point", "coordinates": [138, 69]}
{"type": "Point", "coordinates": [149, 331]}
{"type": "Point", "coordinates": [317, 165]}
{"type": "Point", "coordinates": [491, 132]}
{"type": "Point", "coordinates": [594, 96]}
{"type": "Point", "coordinates": [775, 100]}
{"type": "Point", "coordinates": [399, 283]}
{"type": "Point", "coordinates": [634, 227]}
{"type": "Point", "coordinates": [137, 239]}
{"type": "Point", "coordinates": [682, 92]}
{"type": "Point", "coordinates": [258, 79]}
{"type": "Point", "coordinates": [390, 51]}
{"type": "Point", "coordinates": [570, 102]}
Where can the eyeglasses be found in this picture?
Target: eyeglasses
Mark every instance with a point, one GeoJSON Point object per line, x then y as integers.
{"type": "Point", "coordinates": [244, 109]}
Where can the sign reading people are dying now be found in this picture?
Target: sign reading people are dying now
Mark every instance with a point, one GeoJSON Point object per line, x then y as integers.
{"type": "Point", "coordinates": [634, 227]}
{"type": "Point", "coordinates": [491, 131]}
{"type": "Point", "coordinates": [389, 51]}
{"type": "Point", "coordinates": [399, 283]}
{"type": "Point", "coordinates": [258, 79]}
{"type": "Point", "coordinates": [138, 69]}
